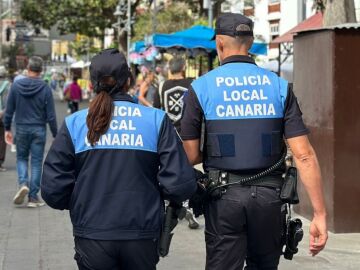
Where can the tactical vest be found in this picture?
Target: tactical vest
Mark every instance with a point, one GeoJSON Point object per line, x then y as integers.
{"type": "Point", "coordinates": [243, 107]}
{"type": "Point", "coordinates": [132, 127]}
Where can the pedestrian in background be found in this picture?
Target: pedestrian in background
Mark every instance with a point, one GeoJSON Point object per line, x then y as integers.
{"type": "Point", "coordinates": [248, 112]}
{"type": "Point", "coordinates": [31, 100]}
{"type": "Point", "coordinates": [171, 92]}
{"type": "Point", "coordinates": [148, 89]}
{"type": "Point", "coordinates": [4, 84]}
{"type": "Point", "coordinates": [2, 142]}
{"type": "Point", "coordinates": [73, 94]}
{"type": "Point", "coordinates": [112, 165]}
{"type": "Point", "coordinates": [170, 99]}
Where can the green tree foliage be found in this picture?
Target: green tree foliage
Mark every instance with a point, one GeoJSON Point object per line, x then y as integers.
{"type": "Point", "coordinates": [84, 46]}
{"type": "Point", "coordinates": [86, 17]}
{"type": "Point", "coordinates": [174, 18]}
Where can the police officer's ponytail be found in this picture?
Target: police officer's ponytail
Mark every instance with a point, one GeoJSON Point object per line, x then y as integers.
{"type": "Point", "coordinates": [99, 116]}
{"type": "Point", "coordinates": [109, 74]}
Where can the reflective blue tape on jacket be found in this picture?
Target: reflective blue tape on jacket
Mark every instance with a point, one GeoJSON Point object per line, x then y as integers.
{"type": "Point", "coordinates": [241, 91]}
{"type": "Point", "coordinates": [132, 126]}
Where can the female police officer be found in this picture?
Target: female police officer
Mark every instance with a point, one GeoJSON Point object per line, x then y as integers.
{"type": "Point", "coordinates": [111, 166]}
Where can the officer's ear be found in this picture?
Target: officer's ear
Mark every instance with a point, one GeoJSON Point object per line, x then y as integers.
{"type": "Point", "coordinates": [219, 46]}
{"type": "Point", "coordinates": [219, 43]}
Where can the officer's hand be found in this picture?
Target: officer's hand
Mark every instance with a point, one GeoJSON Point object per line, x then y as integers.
{"type": "Point", "coordinates": [318, 234]}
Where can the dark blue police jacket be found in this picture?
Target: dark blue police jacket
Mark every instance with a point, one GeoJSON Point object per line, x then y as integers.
{"type": "Point", "coordinates": [246, 109]}
{"type": "Point", "coordinates": [115, 189]}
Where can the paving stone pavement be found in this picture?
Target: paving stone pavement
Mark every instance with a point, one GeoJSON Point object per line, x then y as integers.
{"type": "Point", "coordinates": [41, 238]}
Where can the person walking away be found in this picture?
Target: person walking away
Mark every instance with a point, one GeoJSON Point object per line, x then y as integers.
{"type": "Point", "coordinates": [2, 142]}
{"type": "Point", "coordinates": [31, 100]}
{"type": "Point", "coordinates": [247, 111]}
{"type": "Point", "coordinates": [53, 80]}
{"type": "Point", "coordinates": [112, 165]}
{"type": "Point", "coordinates": [170, 99]}
{"type": "Point", "coordinates": [4, 85]}
{"type": "Point", "coordinates": [74, 94]}
{"type": "Point", "coordinates": [148, 89]}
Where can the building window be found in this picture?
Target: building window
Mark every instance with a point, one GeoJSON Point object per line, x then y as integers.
{"type": "Point", "coordinates": [274, 29]}
{"type": "Point", "coordinates": [274, 7]}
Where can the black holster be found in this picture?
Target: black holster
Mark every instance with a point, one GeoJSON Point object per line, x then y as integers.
{"type": "Point", "coordinates": [173, 213]}
{"type": "Point", "coordinates": [288, 192]}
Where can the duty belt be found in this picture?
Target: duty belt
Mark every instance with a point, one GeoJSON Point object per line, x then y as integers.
{"type": "Point", "coordinates": [266, 181]}
{"type": "Point", "coordinates": [218, 180]}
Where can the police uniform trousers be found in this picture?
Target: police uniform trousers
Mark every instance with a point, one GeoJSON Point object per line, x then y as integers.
{"type": "Point", "coordinates": [246, 224]}
{"type": "Point", "coordinates": [116, 255]}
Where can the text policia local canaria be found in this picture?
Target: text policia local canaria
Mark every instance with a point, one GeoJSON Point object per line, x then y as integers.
{"type": "Point", "coordinates": [244, 109]}
{"type": "Point", "coordinates": [125, 138]}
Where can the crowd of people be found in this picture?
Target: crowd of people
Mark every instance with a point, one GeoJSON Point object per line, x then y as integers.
{"type": "Point", "coordinates": [113, 164]}
{"type": "Point", "coordinates": [151, 89]}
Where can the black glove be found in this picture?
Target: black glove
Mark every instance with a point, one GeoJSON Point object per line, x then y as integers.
{"type": "Point", "coordinates": [197, 201]}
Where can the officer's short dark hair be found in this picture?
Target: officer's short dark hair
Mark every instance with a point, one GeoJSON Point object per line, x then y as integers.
{"type": "Point", "coordinates": [176, 65]}
{"type": "Point", "coordinates": [35, 64]}
{"type": "Point", "coordinates": [245, 40]}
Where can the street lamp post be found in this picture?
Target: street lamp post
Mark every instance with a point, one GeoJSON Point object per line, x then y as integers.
{"type": "Point", "coordinates": [128, 29]}
{"type": "Point", "coordinates": [210, 13]}
{"type": "Point", "coordinates": [119, 12]}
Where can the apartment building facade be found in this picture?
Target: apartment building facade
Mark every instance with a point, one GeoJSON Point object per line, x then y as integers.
{"type": "Point", "coordinates": [273, 18]}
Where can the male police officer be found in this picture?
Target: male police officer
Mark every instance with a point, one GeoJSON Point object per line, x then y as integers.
{"type": "Point", "coordinates": [247, 111]}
